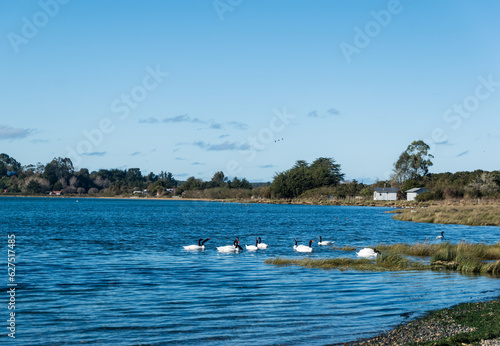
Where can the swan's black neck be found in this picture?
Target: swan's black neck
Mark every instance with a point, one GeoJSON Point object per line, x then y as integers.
{"type": "Point", "coordinates": [310, 242]}
{"type": "Point", "coordinates": [203, 242]}
{"type": "Point", "coordinates": [260, 240]}
{"type": "Point", "coordinates": [199, 241]}
{"type": "Point", "coordinates": [320, 239]}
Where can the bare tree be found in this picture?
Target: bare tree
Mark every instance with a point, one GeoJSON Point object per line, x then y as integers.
{"type": "Point", "coordinates": [73, 181]}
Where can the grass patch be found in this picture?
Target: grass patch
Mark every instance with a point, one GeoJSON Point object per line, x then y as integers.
{"type": "Point", "coordinates": [328, 263]}
{"type": "Point", "coordinates": [472, 215]}
{"type": "Point", "coordinates": [385, 262]}
{"type": "Point", "coordinates": [344, 248]}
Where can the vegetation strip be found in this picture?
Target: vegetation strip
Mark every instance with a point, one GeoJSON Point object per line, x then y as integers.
{"type": "Point", "coordinates": [472, 215]}
{"type": "Point", "coordinates": [464, 258]}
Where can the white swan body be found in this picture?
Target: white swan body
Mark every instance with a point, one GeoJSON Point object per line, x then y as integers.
{"type": "Point", "coordinates": [227, 248]}
{"type": "Point", "coordinates": [324, 242]}
{"type": "Point", "coordinates": [231, 248]}
{"type": "Point", "coordinates": [304, 248]}
{"type": "Point", "coordinates": [368, 253]}
{"type": "Point", "coordinates": [253, 247]}
{"type": "Point", "coordinates": [261, 245]}
{"type": "Point", "coordinates": [200, 245]}
{"type": "Point", "coordinates": [440, 236]}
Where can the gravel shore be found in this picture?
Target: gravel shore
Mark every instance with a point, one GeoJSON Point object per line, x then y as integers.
{"type": "Point", "coordinates": [435, 327]}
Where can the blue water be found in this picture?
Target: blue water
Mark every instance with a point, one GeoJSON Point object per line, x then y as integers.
{"type": "Point", "coordinates": [114, 272]}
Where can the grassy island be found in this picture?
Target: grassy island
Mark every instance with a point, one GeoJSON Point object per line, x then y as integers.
{"type": "Point", "coordinates": [464, 258]}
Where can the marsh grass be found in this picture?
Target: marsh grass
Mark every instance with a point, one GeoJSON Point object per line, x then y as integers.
{"type": "Point", "coordinates": [473, 215]}
{"type": "Point", "coordinates": [464, 257]}
{"type": "Point", "coordinates": [344, 248]}
{"type": "Point", "coordinates": [327, 263]}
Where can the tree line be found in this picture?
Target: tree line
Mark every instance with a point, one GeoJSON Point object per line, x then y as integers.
{"type": "Point", "coordinates": [322, 179]}
{"type": "Point", "coordinates": [60, 175]}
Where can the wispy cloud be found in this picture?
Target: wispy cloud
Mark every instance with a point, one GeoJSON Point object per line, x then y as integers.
{"type": "Point", "coordinates": [238, 125]}
{"type": "Point", "coordinates": [7, 132]}
{"type": "Point", "coordinates": [446, 142]}
{"type": "Point", "coordinates": [36, 141]}
{"type": "Point", "coordinates": [329, 113]}
{"type": "Point", "coordinates": [94, 153]}
{"type": "Point", "coordinates": [216, 126]}
{"type": "Point", "coordinates": [489, 136]}
{"type": "Point", "coordinates": [183, 118]}
{"type": "Point", "coordinates": [267, 166]}
{"type": "Point", "coordinates": [196, 163]}
{"type": "Point", "coordinates": [463, 153]}
{"type": "Point", "coordinates": [135, 154]}
{"type": "Point", "coordinates": [224, 136]}
{"type": "Point", "coordinates": [221, 146]}
{"type": "Point", "coordinates": [333, 111]}
{"type": "Point", "coordinates": [149, 120]}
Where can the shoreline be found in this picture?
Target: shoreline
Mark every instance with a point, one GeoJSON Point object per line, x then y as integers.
{"type": "Point", "coordinates": [462, 324]}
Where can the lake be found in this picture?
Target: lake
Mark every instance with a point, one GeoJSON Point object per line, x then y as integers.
{"type": "Point", "coordinates": [110, 271]}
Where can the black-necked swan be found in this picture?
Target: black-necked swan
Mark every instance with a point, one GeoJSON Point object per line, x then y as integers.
{"type": "Point", "coordinates": [295, 246]}
{"type": "Point", "coordinates": [253, 247]}
{"type": "Point", "coordinates": [368, 253]}
{"type": "Point", "coordinates": [324, 242]}
{"type": "Point", "coordinates": [440, 236]}
{"type": "Point", "coordinates": [261, 245]}
{"type": "Point", "coordinates": [231, 248]}
{"type": "Point", "coordinates": [303, 248]}
{"type": "Point", "coordinates": [200, 245]}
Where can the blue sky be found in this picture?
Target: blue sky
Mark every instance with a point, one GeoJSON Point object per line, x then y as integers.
{"type": "Point", "coordinates": [250, 87]}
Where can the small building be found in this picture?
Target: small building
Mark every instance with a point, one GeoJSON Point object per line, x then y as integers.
{"type": "Point", "coordinates": [385, 194]}
{"type": "Point", "coordinates": [412, 193]}
{"type": "Point", "coordinates": [143, 192]}
{"type": "Point", "coordinates": [55, 193]}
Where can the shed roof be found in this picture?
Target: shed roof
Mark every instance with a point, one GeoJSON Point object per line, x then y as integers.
{"type": "Point", "coordinates": [386, 189]}
{"type": "Point", "coordinates": [416, 189]}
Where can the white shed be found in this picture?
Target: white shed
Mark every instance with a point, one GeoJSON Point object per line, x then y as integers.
{"type": "Point", "coordinates": [385, 194]}
{"type": "Point", "coordinates": [412, 193]}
